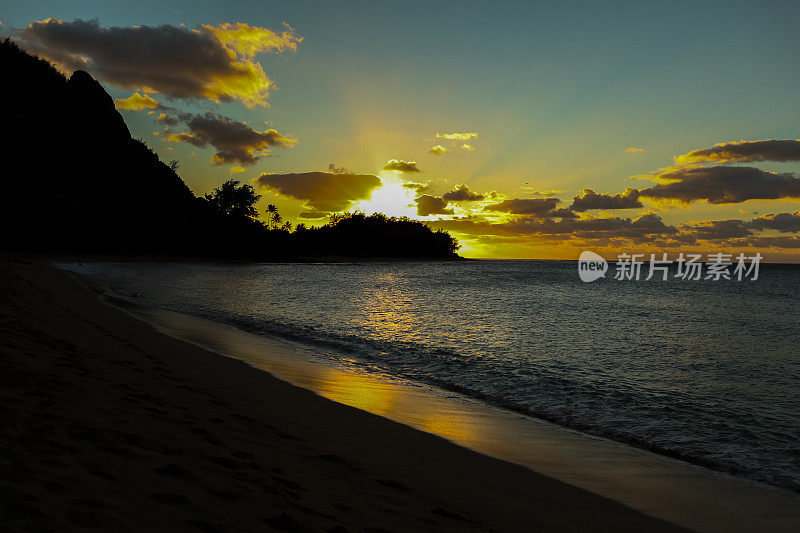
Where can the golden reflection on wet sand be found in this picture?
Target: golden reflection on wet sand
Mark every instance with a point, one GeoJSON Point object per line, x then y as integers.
{"type": "Point", "coordinates": [679, 492]}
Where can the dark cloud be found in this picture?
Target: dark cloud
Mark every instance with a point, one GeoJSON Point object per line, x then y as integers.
{"type": "Point", "coordinates": [714, 230]}
{"type": "Point", "coordinates": [525, 206]}
{"type": "Point", "coordinates": [314, 214]}
{"type": "Point", "coordinates": [431, 205]}
{"type": "Point", "coordinates": [645, 225]}
{"type": "Point", "coordinates": [323, 191]}
{"type": "Point", "coordinates": [636, 229]}
{"type": "Point", "coordinates": [783, 222]}
{"type": "Point", "coordinates": [168, 119]}
{"type": "Point", "coordinates": [723, 185]}
{"type": "Point", "coordinates": [462, 194]}
{"type": "Point", "coordinates": [774, 242]}
{"type": "Point", "coordinates": [214, 62]}
{"type": "Point", "coordinates": [236, 142]}
{"type": "Point", "coordinates": [401, 166]}
{"type": "Point", "coordinates": [591, 200]}
{"type": "Point", "coordinates": [746, 151]}
{"type": "Point", "coordinates": [647, 229]}
{"type": "Point", "coordinates": [562, 212]}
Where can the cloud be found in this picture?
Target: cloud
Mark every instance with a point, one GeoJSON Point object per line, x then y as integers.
{"type": "Point", "coordinates": [533, 192]}
{"type": "Point", "coordinates": [323, 191]}
{"type": "Point", "coordinates": [168, 119]}
{"type": "Point", "coordinates": [783, 222]}
{"type": "Point", "coordinates": [137, 102]}
{"type": "Point", "coordinates": [236, 170]}
{"type": "Point", "coordinates": [213, 62]}
{"type": "Point", "coordinates": [774, 242]}
{"type": "Point", "coordinates": [467, 147]}
{"type": "Point", "coordinates": [414, 186]}
{"type": "Point", "coordinates": [645, 225]}
{"type": "Point", "coordinates": [633, 150]}
{"type": "Point", "coordinates": [591, 200]}
{"type": "Point", "coordinates": [401, 166]}
{"type": "Point", "coordinates": [431, 205]}
{"type": "Point", "coordinates": [248, 41]}
{"type": "Point", "coordinates": [562, 212]}
{"type": "Point", "coordinates": [438, 150]}
{"type": "Point", "coordinates": [637, 229]}
{"type": "Point", "coordinates": [713, 230]}
{"type": "Point", "coordinates": [457, 136]}
{"type": "Point", "coordinates": [462, 194]}
{"type": "Point", "coordinates": [746, 151]}
{"type": "Point", "coordinates": [236, 142]}
{"type": "Point", "coordinates": [722, 185]}
{"type": "Point", "coordinates": [525, 206]}
{"type": "Point", "coordinates": [314, 214]}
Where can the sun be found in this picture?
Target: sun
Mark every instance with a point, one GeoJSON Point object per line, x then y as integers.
{"type": "Point", "coordinates": [391, 199]}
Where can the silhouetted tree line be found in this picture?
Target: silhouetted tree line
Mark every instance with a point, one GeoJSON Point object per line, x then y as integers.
{"type": "Point", "coordinates": [345, 235]}
{"type": "Point", "coordinates": [73, 180]}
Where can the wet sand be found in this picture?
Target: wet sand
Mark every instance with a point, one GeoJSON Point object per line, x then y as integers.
{"type": "Point", "coordinates": [110, 424]}
{"type": "Point", "coordinates": [679, 492]}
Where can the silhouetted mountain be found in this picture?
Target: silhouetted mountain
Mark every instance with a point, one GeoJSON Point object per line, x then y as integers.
{"type": "Point", "coordinates": [72, 179]}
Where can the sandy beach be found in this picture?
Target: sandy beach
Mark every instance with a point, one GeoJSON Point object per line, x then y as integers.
{"type": "Point", "coordinates": [110, 424]}
{"type": "Point", "coordinates": [399, 266]}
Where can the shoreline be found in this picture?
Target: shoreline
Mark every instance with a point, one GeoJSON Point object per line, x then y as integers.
{"type": "Point", "coordinates": [48, 258]}
{"type": "Point", "coordinates": [157, 258]}
{"type": "Point", "coordinates": [112, 424]}
{"type": "Point", "coordinates": [343, 352]}
{"type": "Point", "coordinates": [669, 488]}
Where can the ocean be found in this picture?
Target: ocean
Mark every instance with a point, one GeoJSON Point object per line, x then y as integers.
{"type": "Point", "coordinates": [704, 371]}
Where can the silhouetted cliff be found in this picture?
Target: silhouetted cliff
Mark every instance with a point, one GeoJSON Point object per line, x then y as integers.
{"type": "Point", "coordinates": [73, 180]}
{"type": "Point", "coordinates": [72, 176]}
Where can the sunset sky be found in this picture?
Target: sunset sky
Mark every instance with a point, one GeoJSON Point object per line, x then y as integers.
{"type": "Point", "coordinates": [487, 119]}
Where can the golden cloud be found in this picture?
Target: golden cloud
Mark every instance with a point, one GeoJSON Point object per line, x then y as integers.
{"type": "Point", "coordinates": [212, 62]}
{"type": "Point", "coordinates": [455, 136]}
{"type": "Point", "coordinates": [247, 41]}
{"type": "Point", "coordinates": [399, 165]}
{"type": "Point", "coordinates": [137, 102]}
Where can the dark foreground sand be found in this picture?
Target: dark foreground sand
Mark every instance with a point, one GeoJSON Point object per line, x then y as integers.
{"type": "Point", "coordinates": [108, 424]}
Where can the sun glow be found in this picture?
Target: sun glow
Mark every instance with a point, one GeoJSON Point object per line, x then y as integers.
{"type": "Point", "coordinates": [391, 199]}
